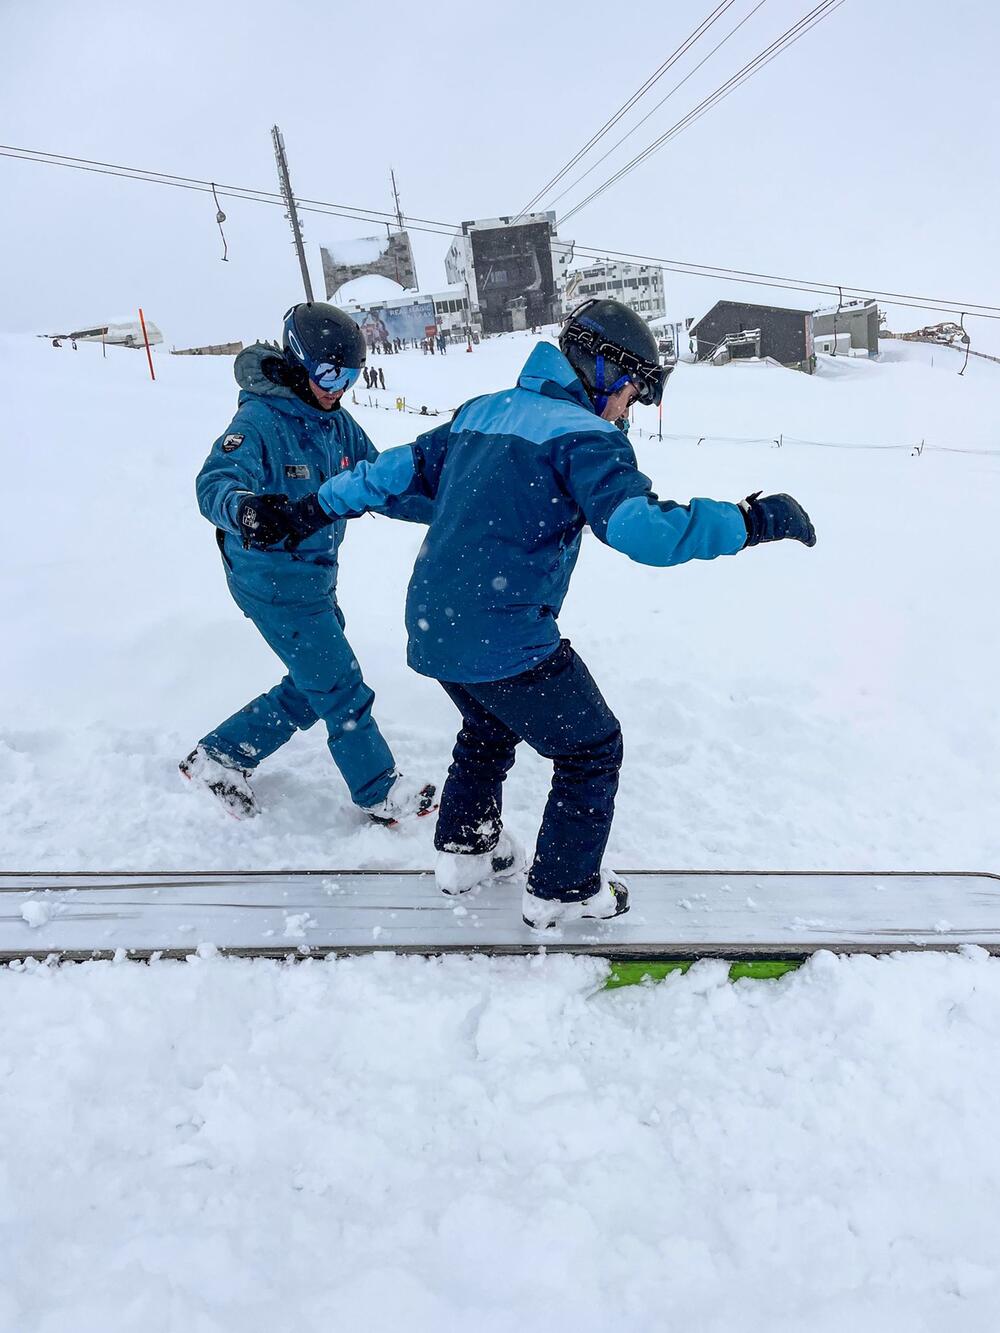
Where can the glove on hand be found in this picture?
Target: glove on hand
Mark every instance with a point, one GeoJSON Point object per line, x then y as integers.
{"type": "Point", "coordinates": [774, 518]}
{"type": "Point", "coordinates": [306, 517]}
{"type": "Point", "coordinates": [265, 520]}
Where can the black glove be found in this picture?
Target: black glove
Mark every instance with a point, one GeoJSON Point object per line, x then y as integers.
{"type": "Point", "coordinates": [774, 518]}
{"type": "Point", "coordinates": [306, 517]}
{"type": "Point", "coordinates": [265, 520]}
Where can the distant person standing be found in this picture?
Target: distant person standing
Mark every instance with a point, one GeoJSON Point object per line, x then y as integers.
{"type": "Point", "coordinates": [381, 378]}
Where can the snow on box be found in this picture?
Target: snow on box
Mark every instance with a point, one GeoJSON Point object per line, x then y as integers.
{"type": "Point", "coordinates": [494, 1144]}
{"type": "Point", "coordinates": [357, 250]}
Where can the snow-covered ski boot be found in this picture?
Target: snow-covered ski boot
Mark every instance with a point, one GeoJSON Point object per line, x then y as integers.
{"type": "Point", "coordinates": [407, 798]}
{"type": "Point", "coordinates": [610, 900]}
{"type": "Point", "coordinates": [458, 872]}
{"type": "Point", "coordinates": [228, 784]}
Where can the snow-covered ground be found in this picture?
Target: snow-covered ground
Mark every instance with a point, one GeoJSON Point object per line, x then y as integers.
{"type": "Point", "coordinates": [392, 1143]}
{"type": "Point", "coordinates": [833, 708]}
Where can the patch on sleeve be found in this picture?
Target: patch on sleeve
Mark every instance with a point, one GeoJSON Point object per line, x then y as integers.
{"type": "Point", "coordinates": [296, 471]}
{"type": "Point", "coordinates": [232, 442]}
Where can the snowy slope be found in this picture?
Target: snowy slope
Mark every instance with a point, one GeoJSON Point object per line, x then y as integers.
{"type": "Point", "coordinates": [438, 1147]}
{"type": "Point", "coordinates": [441, 1146]}
{"type": "Point", "coordinates": [832, 708]}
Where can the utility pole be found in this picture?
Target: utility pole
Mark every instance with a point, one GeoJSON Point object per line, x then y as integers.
{"type": "Point", "coordinates": [395, 195]}
{"type": "Point", "coordinates": [292, 213]}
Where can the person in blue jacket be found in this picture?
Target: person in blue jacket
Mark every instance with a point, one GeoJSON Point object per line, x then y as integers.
{"type": "Point", "coordinates": [515, 477]}
{"type": "Point", "coordinates": [291, 434]}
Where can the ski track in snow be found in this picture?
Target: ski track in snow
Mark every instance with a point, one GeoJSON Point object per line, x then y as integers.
{"type": "Point", "coordinates": [493, 1145]}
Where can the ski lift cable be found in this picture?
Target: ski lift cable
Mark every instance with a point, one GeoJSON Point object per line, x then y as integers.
{"type": "Point", "coordinates": [763, 58]}
{"type": "Point", "coordinates": [628, 133]}
{"type": "Point", "coordinates": [627, 106]}
{"type": "Point", "coordinates": [979, 309]}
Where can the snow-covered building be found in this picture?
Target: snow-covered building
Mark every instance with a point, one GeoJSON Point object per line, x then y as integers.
{"type": "Point", "coordinates": [858, 319]}
{"type": "Point", "coordinates": [384, 311]}
{"type": "Point", "coordinates": [119, 332]}
{"type": "Point", "coordinates": [513, 271]}
{"type": "Point", "coordinates": [388, 256]}
{"type": "Point", "coordinates": [673, 338]}
{"type": "Point", "coordinates": [639, 286]}
{"type": "Point", "coordinates": [743, 330]}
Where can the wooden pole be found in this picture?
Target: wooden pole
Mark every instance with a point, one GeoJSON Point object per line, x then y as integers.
{"type": "Point", "coordinates": [145, 338]}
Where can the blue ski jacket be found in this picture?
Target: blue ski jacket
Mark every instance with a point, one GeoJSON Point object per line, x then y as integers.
{"type": "Point", "coordinates": [515, 476]}
{"type": "Point", "coordinates": [278, 444]}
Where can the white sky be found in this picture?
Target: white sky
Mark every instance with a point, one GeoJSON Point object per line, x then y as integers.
{"type": "Point", "coordinates": [867, 153]}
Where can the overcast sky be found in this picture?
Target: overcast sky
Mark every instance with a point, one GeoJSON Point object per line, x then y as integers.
{"type": "Point", "coordinates": [865, 154]}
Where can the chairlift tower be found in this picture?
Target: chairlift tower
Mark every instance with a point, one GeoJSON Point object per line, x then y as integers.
{"type": "Point", "coordinates": [291, 213]}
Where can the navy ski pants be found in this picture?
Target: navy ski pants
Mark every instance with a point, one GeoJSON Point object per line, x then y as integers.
{"type": "Point", "coordinates": [558, 710]}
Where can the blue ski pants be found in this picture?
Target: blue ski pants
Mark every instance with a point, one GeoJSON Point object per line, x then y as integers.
{"type": "Point", "coordinates": [323, 681]}
{"type": "Point", "coordinates": [556, 708]}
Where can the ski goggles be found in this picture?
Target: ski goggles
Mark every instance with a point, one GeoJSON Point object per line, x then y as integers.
{"type": "Point", "coordinates": [332, 378]}
{"type": "Point", "coordinates": [646, 377]}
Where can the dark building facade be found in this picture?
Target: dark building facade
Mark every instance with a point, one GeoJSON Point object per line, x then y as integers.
{"type": "Point", "coordinates": [784, 334]}
{"type": "Point", "coordinates": [512, 268]}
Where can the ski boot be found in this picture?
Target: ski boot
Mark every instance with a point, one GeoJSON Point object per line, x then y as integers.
{"type": "Point", "coordinates": [458, 872]}
{"type": "Point", "coordinates": [226, 782]}
{"type": "Point", "coordinates": [407, 797]}
{"type": "Point", "coordinates": [610, 900]}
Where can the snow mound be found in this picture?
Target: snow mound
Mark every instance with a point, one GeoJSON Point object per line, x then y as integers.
{"type": "Point", "coordinates": [498, 1145]}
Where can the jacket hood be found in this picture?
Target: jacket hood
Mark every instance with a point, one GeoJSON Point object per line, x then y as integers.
{"type": "Point", "coordinates": [252, 378]}
{"type": "Point", "coordinates": [547, 372]}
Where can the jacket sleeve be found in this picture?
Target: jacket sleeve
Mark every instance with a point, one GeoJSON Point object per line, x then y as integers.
{"type": "Point", "coordinates": [415, 508]}
{"type": "Point", "coordinates": [233, 469]}
{"type": "Point", "coordinates": [601, 473]}
{"type": "Point", "coordinates": [405, 474]}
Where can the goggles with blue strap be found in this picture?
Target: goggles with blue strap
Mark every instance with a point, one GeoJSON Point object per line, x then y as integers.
{"type": "Point", "coordinates": [646, 377]}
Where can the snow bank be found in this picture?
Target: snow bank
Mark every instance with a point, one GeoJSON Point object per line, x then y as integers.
{"type": "Point", "coordinates": [461, 1144]}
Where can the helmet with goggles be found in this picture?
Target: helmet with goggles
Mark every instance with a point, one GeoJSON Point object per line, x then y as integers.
{"type": "Point", "coordinates": [609, 346]}
{"type": "Point", "coordinates": [326, 343]}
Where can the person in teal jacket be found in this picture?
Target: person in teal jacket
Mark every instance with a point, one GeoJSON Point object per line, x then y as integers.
{"type": "Point", "coordinates": [515, 477]}
{"type": "Point", "coordinates": [290, 434]}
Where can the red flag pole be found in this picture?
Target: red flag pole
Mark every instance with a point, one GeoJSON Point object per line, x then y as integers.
{"type": "Point", "coordinates": [145, 338]}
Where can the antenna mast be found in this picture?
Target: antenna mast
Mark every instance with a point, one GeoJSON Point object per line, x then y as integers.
{"type": "Point", "coordinates": [395, 195]}
{"type": "Point", "coordinates": [291, 213]}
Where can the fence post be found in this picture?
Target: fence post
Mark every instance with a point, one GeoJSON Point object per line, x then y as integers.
{"type": "Point", "coordinates": [145, 338]}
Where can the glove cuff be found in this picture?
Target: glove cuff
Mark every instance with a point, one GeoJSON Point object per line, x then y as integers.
{"type": "Point", "coordinates": [751, 519]}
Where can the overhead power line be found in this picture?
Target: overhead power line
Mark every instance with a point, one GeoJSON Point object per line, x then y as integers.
{"type": "Point", "coordinates": [677, 86]}
{"type": "Point", "coordinates": [437, 227]}
{"type": "Point", "coordinates": [626, 107]}
{"type": "Point", "coordinates": [206, 187]}
{"type": "Point", "coordinates": [788, 38]}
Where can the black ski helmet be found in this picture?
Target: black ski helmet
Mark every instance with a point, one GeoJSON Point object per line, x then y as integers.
{"type": "Point", "coordinates": [609, 346]}
{"type": "Point", "coordinates": [326, 342]}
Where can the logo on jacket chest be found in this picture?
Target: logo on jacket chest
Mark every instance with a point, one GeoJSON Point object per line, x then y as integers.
{"type": "Point", "coordinates": [297, 472]}
{"type": "Point", "coordinates": [232, 442]}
